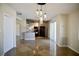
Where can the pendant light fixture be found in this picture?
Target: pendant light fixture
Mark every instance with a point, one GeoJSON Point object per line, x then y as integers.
{"type": "Point", "coordinates": [41, 14]}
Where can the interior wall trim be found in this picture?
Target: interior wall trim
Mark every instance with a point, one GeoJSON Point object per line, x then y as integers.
{"type": "Point", "coordinates": [73, 49]}
{"type": "Point", "coordinates": [62, 45]}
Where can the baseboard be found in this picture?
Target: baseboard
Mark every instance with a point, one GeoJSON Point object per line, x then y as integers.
{"type": "Point", "coordinates": [68, 47]}
{"type": "Point", "coordinates": [73, 49]}
{"type": "Point", "coordinates": [8, 51]}
{"type": "Point", "coordinates": [1, 53]}
{"type": "Point", "coordinates": [62, 45]}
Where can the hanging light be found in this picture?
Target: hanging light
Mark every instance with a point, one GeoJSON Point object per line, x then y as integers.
{"type": "Point", "coordinates": [40, 13]}
{"type": "Point", "coordinates": [41, 10]}
{"type": "Point", "coordinates": [37, 12]}
{"type": "Point", "coordinates": [45, 16]}
{"type": "Point", "coordinates": [41, 20]}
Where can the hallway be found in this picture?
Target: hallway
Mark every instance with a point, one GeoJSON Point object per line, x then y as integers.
{"type": "Point", "coordinates": [22, 29]}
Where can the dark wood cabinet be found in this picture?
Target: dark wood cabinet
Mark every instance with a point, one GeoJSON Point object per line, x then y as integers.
{"type": "Point", "coordinates": [36, 31]}
{"type": "Point", "coordinates": [39, 31]}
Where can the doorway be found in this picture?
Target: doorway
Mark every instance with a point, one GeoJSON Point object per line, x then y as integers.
{"type": "Point", "coordinates": [8, 33]}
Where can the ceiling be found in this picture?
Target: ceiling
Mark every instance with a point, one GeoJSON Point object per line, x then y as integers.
{"type": "Point", "coordinates": [28, 9]}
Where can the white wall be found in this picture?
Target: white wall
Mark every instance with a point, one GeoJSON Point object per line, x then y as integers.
{"type": "Point", "coordinates": [68, 31]}
{"type": "Point", "coordinates": [18, 27]}
{"type": "Point", "coordinates": [5, 9]}
{"type": "Point", "coordinates": [22, 23]}
{"type": "Point", "coordinates": [73, 31]}
{"type": "Point", "coordinates": [1, 33]}
{"type": "Point", "coordinates": [61, 22]}
{"type": "Point", "coordinates": [22, 27]}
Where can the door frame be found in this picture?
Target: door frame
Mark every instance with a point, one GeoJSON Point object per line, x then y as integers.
{"type": "Point", "coordinates": [54, 24]}
{"type": "Point", "coordinates": [6, 14]}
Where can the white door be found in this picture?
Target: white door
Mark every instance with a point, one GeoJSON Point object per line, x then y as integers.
{"type": "Point", "coordinates": [53, 31]}
{"type": "Point", "coordinates": [8, 33]}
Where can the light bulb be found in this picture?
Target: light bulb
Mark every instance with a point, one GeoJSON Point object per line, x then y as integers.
{"type": "Point", "coordinates": [41, 20]}
{"type": "Point", "coordinates": [45, 16]}
{"type": "Point", "coordinates": [36, 24]}
{"type": "Point", "coordinates": [41, 12]}
{"type": "Point", "coordinates": [37, 12]}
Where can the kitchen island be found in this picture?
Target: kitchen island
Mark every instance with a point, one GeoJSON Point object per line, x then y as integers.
{"type": "Point", "coordinates": [29, 35]}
